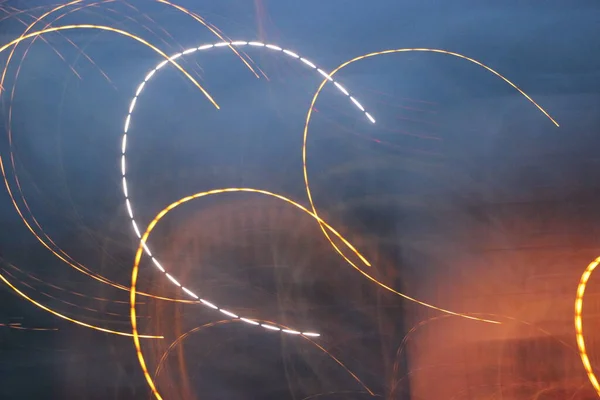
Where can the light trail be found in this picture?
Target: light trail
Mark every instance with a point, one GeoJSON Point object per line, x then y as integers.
{"type": "Point", "coordinates": [183, 336]}
{"type": "Point", "coordinates": [328, 78]}
{"type": "Point", "coordinates": [143, 249]}
{"type": "Point", "coordinates": [305, 168]}
{"type": "Point", "coordinates": [14, 42]}
{"type": "Point", "coordinates": [127, 126]}
{"type": "Point", "coordinates": [80, 323]}
{"type": "Point", "coordinates": [63, 256]}
{"type": "Point", "coordinates": [579, 324]}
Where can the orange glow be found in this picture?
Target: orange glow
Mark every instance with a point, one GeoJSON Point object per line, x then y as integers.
{"type": "Point", "coordinates": [165, 211]}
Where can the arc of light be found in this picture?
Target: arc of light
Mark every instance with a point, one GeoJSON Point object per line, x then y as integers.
{"type": "Point", "coordinates": [144, 237]}
{"type": "Point", "coordinates": [140, 252]}
{"type": "Point", "coordinates": [328, 77]}
{"type": "Point", "coordinates": [43, 307]}
{"type": "Point", "coordinates": [103, 28]}
{"type": "Point", "coordinates": [115, 30]}
{"type": "Point", "coordinates": [177, 7]}
{"type": "Point", "coordinates": [224, 321]}
{"type": "Point", "coordinates": [68, 303]}
{"type": "Point", "coordinates": [304, 153]}
{"type": "Point", "coordinates": [579, 324]}
{"type": "Point", "coordinates": [71, 262]}
{"type": "Point", "coordinates": [134, 102]}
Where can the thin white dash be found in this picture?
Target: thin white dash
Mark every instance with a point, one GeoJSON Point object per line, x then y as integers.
{"type": "Point", "coordinates": [175, 56]}
{"type": "Point", "coordinates": [228, 313]}
{"type": "Point", "coordinates": [132, 105]}
{"type": "Point", "coordinates": [290, 331]}
{"type": "Point", "coordinates": [256, 44]}
{"type": "Point", "coordinates": [135, 228]}
{"type": "Point", "coordinates": [273, 328]}
{"type": "Point", "coordinates": [189, 292]}
{"type": "Point", "coordinates": [370, 117]}
{"type": "Point", "coordinates": [155, 261]}
{"type": "Point", "coordinates": [147, 249]}
{"type": "Point", "coordinates": [291, 53]}
{"type": "Point", "coordinates": [221, 44]}
{"type": "Point", "coordinates": [123, 165]}
{"type": "Point", "coordinates": [127, 120]}
{"type": "Point", "coordinates": [305, 61]}
{"type": "Point", "coordinates": [147, 78]}
{"type": "Point", "coordinates": [273, 47]}
{"type": "Point", "coordinates": [239, 43]}
{"type": "Point", "coordinates": [325, 74]}
{"type": "Point", "coordinates": [342, 89]}
{"type": "Point", "coordinates": [209, 304]}
{"type": "Point", "coordinates": [162, 64]}
{"type": "Point", "coordinates": [188, 51]}
{"type": "Point", "coordinates": [124, 144]}
{"type": "Point", "coordinates": [125, 187]}
{"type": "Point", "coordinates": [139, 89]}
{"type": "Point", "coordinates": [357, 103]}
{"type": "Point", "coordinates": [249, 321]}
{"type": "Point", "coordinates": [129, 210]}
{"type": "Point", "coordinates": [311, 334]}
{"type": "Point", "coordinates": [204, 47]}
{"type": "Point", "coordinates": [172, 279]}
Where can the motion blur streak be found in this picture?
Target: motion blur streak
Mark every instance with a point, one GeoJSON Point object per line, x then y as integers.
{"type": "Point", "coordinates": [328, 78]}
{"type": "Point", "coordinates": [128, 118]}
{"type": "Point", "coordinates": [140, 252]}
{"type": "Point", "coordinates": [210, 28]}
{"type": "Point", "coordinates": [71, 319]}
{"type": "Point", "coordinates": [166, 210]}
{"type": "Point", "coordinates": [102, 28]}
{"type": "Point", "coordinates": [64, 255]}
{"type": "Point", "coordinates": [79, 267]}
{"type": "Point", "coordinates": [225, 321]}
{"type": "Point", "coordinates": [579, 324]}
{"type": "Point", "coordinates": [115, 30]}
{"type": "Point", "coordinates": [304, 152]}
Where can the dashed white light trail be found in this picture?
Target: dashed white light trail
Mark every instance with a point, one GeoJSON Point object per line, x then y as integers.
{"type": "Point", "coordinates": [126, 127]}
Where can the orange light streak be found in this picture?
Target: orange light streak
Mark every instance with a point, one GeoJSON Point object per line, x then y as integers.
{"type": "Point", "coordinates": [43, 307]}
{"type": "Point", "coordinates": [579, 324]}
{"type": "Point", "coordinates": [103, 28]}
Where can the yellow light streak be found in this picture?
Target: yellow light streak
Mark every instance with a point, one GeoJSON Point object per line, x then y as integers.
{"type": "Point", "coordinates": [305, 168]}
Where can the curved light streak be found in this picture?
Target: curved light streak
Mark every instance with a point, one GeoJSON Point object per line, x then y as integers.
{"type": "Point", "coordinates": [304, 153]}
{"type": "Point", "coordinates": [143, 248]}
{"type": "Point", "coordinates": [224, 321]}
{"type": "Point", "coordinates": [579, 324]}
{"type": "Point", "coordinates": [127, 125]}
{"type": "Point", "coordinates": [79, 267]}
{"type": "Point", "coordinates": [43, 307]}
{"type": "Point", "coordinates": [115, 30]}
{"type": "Point", "coordinates": [328, 78]}
{"type": "Point", "coordinates": [14, 42]}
